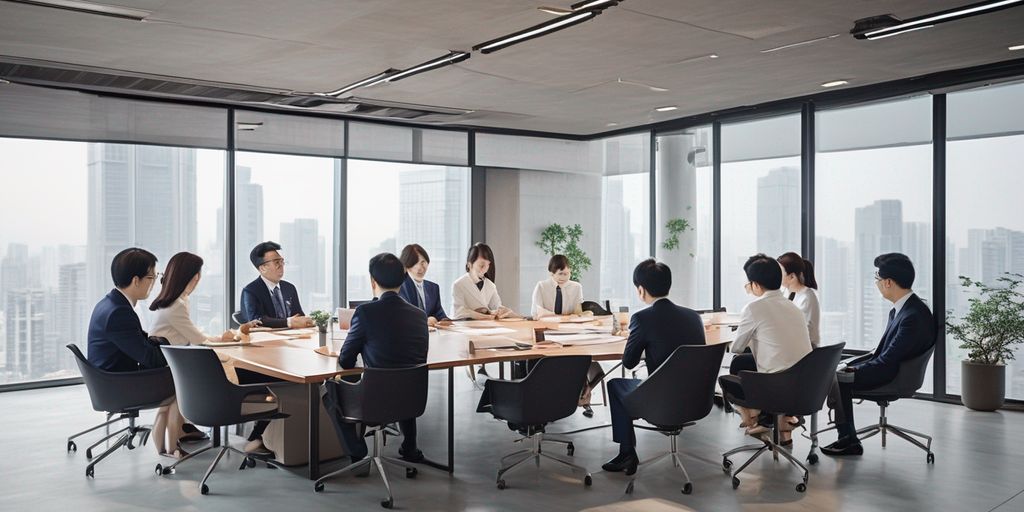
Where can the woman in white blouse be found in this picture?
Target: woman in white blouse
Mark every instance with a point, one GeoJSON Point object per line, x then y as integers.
{"type": "Point", "coordinates": [474, 295]}
{"type": "Point", "coordinates": [558, 295]}
{"type": "Point", "coordinates": [799, 280]}
{"type": "Point", "coordinates": [172, 321]}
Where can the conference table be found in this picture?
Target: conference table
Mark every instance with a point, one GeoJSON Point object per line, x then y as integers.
{"type": "Point", "coordinates": [298, 360]}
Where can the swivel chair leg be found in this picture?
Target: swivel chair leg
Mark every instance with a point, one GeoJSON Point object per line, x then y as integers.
{"type": "Point", "coordinates": [121, 441]}
{"type": "Point", "coordinates": [71, 439]}
{"type": "Point", "coordinates": [88, 451]}
{"type": "Point", "coordinates": [209, 471]}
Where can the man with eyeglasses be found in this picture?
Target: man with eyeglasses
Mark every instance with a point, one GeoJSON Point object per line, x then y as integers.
{"type": "Point", "coordinates": [116, 340]}
{"type": "Point", "coordinates": [270, 299]}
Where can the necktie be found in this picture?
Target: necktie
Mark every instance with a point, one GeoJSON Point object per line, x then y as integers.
{"type": "Point", "coordinates": [558, 300]}
{"type": "Point", "coordinates": [419, 295]}
{"type": "Point", "coordinates": [279, 303]}
{"type": "Point", "coordinates": [892, 314]}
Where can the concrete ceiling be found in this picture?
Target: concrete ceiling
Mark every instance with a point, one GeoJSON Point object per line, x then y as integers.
{"type": "Point", "coordinates": [566, 82]}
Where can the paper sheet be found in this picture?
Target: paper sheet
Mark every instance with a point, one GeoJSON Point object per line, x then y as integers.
{"type": "Point", "coordinates": [486, 331]}
{"type": "Point", "coordinates": [260, 337]}
{"type": "Point", "coordinates": [567, 319]}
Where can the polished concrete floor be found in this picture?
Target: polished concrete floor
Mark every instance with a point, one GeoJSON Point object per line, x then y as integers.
{"type": "Point", "coordinates": [979, 467]}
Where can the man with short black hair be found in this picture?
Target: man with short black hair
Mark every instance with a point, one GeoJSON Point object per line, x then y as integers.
{"type": "Point", "coordinates": [116, 340]}
{"type": "Point", "coordinates": [910, 332]}
{"type": "Point", "coordinates": [268, 298]}
{"type": "Point", "coordinates": [654, 333]}
{"type": "Point", "coordinates": [389, 333]}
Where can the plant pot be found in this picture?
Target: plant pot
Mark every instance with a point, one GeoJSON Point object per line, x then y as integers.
{"type": "Point", "coordinates": [982, 386]}
{"type": "Point", "coordinates": [323, 337]}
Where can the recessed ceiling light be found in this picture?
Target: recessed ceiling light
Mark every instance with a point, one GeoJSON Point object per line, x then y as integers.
{"type": "Point", "coordinates": [713, 56]}
{"type": "Point", "coordinates": [667, 108]}
{"type": "Point", "coordinates": [834, 83]}
{"type": "Point", "coordinates": [612, 124]}
{"type": "Point", "coordinates": [1015, 48]}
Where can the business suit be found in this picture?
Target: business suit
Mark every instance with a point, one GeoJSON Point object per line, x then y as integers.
{"type": "Point", "coordinates": [116, 340]}
{"type": "Point", "coordinates": [431, 297]}
{"type": "Point", "coordinates": [257, 303]}
{"type": "Point", "coordinates": [389, 333]}
{"type": "Point", "coordinates": [467, 297]}
{"type": "Point", "coordinates": [909, 333]}
{"type": "Point", "coordinates": [654, 333]}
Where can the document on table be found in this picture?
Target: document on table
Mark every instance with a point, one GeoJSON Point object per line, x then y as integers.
{"type": "Point", "coordinates": [581, 339]}
{"type": "Point", "coordinates": [485, 331]}
{"type": "Point", "coordinates": [567, 319]}
{"type": "Point", "coordinates": [495, 342]}
{"type": "Point", "coordinates": [259, 337]}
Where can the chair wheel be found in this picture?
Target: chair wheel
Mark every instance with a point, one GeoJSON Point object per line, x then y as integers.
{"type": "Point", "coordinates": [801, 487]}
{"type": "Point", "coordinates": [89, 472]}
{"type": "Point", "coordinates": [411, 472]}
{"type": "Point", "coordinates": [629, 488]}
{"type": "Point", "coordinates": [688, 488]}
{"type": "Point", "coordinates": [570, 449]}
{"type": "Point", "coordinates": [72, 447]}
{"type": "Point", "coordinates": [588, 480]}
{"type": "Point", "coordinates": [129, 443]}
{"type": "Point", "coordinates": [501, 484]}
{"type": "Point", "coordinates": [251, 462]}
{"type": "Point", "coordinates": [388, 503]}
{"type": "Point", "coordinates": [931, 458]}
{"type": "Point", "coordinates": [88, 453]}
{"type": "Point", "coordinates": [204, 490]}
{"type": "Point", "coordinates": [735, 482]}
{"type": "Point", "coordinates": [726, 465]}
{"type": "Point", "coordinates": [159, 469]}
{"type": "Point", "coordinates": [812, 459]}
{"type": "Point", "coordinates": [319, 487]}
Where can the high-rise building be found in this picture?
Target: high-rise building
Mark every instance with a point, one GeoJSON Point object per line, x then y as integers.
{"type": "Point", "coordinates": [302, 247]}
{"type": "Point", "coordinates": [878, 229]}
{"type": "Point", "coordinates": [248, 224]}
{"type": "Point", "coordinates": [835, 289]}
{"type": "Point", "coordinates": [72, 310]}
{"type": "Point", "coordinates": [14, 273]}
{"type": "Point", "coordinates": [619, 247]}
{"type": "Point", "coordinates": [917, 245]}
{"type": "Point", "coordinates": [778, 211]}
{"type": "Point", "coordinates": [27, 352]}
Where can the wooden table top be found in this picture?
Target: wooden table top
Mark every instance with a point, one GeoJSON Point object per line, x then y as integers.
{"type": "Point", "coordinates": [295, 360]}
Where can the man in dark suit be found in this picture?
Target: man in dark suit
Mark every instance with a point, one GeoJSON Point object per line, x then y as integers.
{"type": "Point", "coordinates": [909, 333]}
{"type": "Point", "coordinates": [117, 342]}
{"type": "Point", "coordinates": [389, 333]}
{"type": "Point", "coordinates": [654, 332]}
{"type": "Point", "coordinates": [269, 299]}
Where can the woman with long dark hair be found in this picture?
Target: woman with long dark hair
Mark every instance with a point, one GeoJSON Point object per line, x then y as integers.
{"type": "Point", "coordinates": [798, 279]}
{"type": "Point", "coordinates": [474, 294]}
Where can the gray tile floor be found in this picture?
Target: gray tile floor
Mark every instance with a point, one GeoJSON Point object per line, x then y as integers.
{"type": "Point", "coordinates": [978, 468]}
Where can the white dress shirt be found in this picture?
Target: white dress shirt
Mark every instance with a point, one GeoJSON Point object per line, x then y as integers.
{"type": "Point", "coordinates": [775, 330]}
{"type": "Point", "coordinates": [467, 298]}
{"type": "Point", "coordinates": [544, 298]}
{"type": "Point", "coordinates": [807, 301]}
{"type": "Point", "coordinates": [174, 323]}
{"type": "Point", "coordinates": [898, 305]}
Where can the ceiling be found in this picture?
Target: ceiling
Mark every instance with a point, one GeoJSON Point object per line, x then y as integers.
{"type": "Point", "coordinates": [565, 82]}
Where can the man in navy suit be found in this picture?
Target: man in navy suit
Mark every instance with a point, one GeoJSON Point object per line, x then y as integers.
{"type": "Point", "coordinates": [117, 342]}
{"type": "Point", "coordinates": [416, 290]}
{"type": "Point", "coordinates": [269, 299]}
{"type": "Point", "coordinates": [389, 333]}
{"type": "Point", "coordinates": [909, 333]}
{"type": "Point", "coordinates": [654, 332]}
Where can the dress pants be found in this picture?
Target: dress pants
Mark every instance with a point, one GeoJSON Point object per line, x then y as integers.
{"type": "Point", "coordinates": [845, 425]}
{"type": "Point", "coordinates": [622, 421]}
{"type": "Point", "coordinates": [250, 377]}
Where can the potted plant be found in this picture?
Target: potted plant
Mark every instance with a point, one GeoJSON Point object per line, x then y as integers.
{"type": "Point", "coordinates": [558, 239]}
{"type": "Point", "coordinates": [675, 227]}
{"type": "Point", "coordinates": [321, 318]}
{"type": "Point", "coordinates": [993, 325]}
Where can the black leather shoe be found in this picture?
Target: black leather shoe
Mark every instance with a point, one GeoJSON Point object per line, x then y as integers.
{"type": "Point", "coordinates": [192, 433]}
{"type": "Point", "coordinates": [622, 462]}
{"type": "Point", "coordinates": [588, 411]}
{"type": "Point", "coordinates": [843, 447]}
{"type": "Point", "coordinates": [414, 455]}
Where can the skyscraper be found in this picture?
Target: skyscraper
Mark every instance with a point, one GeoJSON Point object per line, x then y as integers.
{"type": "Point", "coordinates": [917, 245]}
{"type": "Point", "coordinates": [302, 247]}
{"type": "Point", "coordinates": [72, 311]}
{"type": "Point", "coordinates": [248, 223]}
{"type": "Point", "coordinates": [778, 211]}
{"type": "Point", "coordinates": [27, 353]}
{"type": "Point", "coordinates": [878, 229]}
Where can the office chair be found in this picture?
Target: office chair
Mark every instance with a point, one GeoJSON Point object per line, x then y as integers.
{"type": "Point", "coordinates": [797, 391]}
{"type": "Point", "coordinates": [675, 396]}
{"type": "Point", "coordinates": [548, 393]}
{"type": "Point", "coordinates": [120, 394]}
{"type": "Point", "coordinates": [236, 319]}
{"type": "Point", "coordinates": [381, 397]}
{"type": "Point", "coordinates": [595, 308]}
{"type": "Point", "coordinates": [206, 397]}
{"type": "Point", "coordinates": [352, 304]}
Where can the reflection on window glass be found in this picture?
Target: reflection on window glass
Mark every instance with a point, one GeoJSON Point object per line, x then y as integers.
{"type": "Point", "coordinates": [289, 200]}
{"type": "Point", "coordinates": [391, 205]}
{"type": "Point", "coordinates": [54, 269]}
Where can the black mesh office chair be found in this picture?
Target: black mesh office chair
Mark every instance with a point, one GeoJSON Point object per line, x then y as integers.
{"type": "Point", "coordinates": [677, 394]}
{"type": "Point", "coordinates": [352, 304]}
{"type": "Point", "coordinates": [206, 397]}
{"type": "Point", "coordinates": [797, 391]}
{"type": "Point", "coordinates": [595, 308]}
{"type": "Point", "coordinates": [548, 393]}
{"type": "Point", "coordinates": [121, 395]}
{"type": "Point", "coordinates": [381, 397]}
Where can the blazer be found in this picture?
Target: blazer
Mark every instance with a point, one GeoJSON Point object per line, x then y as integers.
{"type": "Point", "coordinates": [466, 297]}
{"type": "Point", "coordinates": [544, 298]}
{"type": "Point", "coordinates": [116, 340]}
{"type": "Point", "coordinates": [257, 304]}
{"type": "Point", "coordinates": [775, 330]}
{"type": "Point", "coordinates": [431, 297]}
{"type": "Point", "coordinates": [175, 324]}
{"type": "Point", "coordinates": [910, 333]}
{"type": "Point", "coordinates": [658, 330]}
{"type": "Point", "coordinates": [389, 333]}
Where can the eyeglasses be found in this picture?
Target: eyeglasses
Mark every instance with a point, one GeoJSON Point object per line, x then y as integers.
{"type": "Point", "coordinates": [879, 278]}
{"type": "Point", "coordinates": [154, 276]}
{"type": "Point", "coordinates": [277, 262]}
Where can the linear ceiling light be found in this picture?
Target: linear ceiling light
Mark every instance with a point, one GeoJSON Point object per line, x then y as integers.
{"type": "Point", "coordinates": [362, 83]}
{"type": "Point", "coordinates": [930, 20]}
{"type": "Point", "coordinates": [114, 11]}
{"type": "Point", "coordinates": [547, 27]}
{"type": "Point", "coordinates": [668, 108]}
{"type": "Point", "coordinates": [452, 58]}
{"type": "Point", "coordinates": [578, 6]}
{"type": "Point", "coordinates": [1015, 48]}
{"type": "Point", "coordinates": [801, 43]}
{"type": "Point", "coordinates": [834, 83]}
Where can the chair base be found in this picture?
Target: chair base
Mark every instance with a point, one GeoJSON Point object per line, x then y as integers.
{"type": "Point", "coordinates": [884, 427]}
{"type": "Point", "coordinates": [378, 460]}
{"type": "Point", "coordinates": [673, 454]}
{"type": "Point", "coordinates": [248, 460]}
{"type": "Point", "coordinates": [126, 437]}
{"type": "Point", "coordinates": [535, 452]}
{"type": "Point", "coordinates": [767, 444]}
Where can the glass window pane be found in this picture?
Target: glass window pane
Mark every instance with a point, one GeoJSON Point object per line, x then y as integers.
{"type": "Point", "coordinates": [290, 200]}
{"type": "Point", "coordinates": [761, 202]}
{"type": "Point", "coordinates": [685, 193]}
{"type": "Point", "coordinates": [625, 216]}
{"type": "Point", "coordinates": [416, 203]}
{"type": "Point", "coordinates": [984, 227]}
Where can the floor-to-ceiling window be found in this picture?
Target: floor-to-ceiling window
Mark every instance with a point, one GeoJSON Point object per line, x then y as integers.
{"type": "Point", "coordinates": [625, 215]}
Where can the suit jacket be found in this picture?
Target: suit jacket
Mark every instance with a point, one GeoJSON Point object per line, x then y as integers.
{"type": "Point", "coordinates": [658, 330]}
{"type": "Point", "coordinates": [910, 333]}
{"type": "Point", "coordinates": [431, 297]}
{"type": "Point", "coordinates": [117, 342]}
{"type": "Point", "coordinates": [258, 305]}
{"type": "Point", "coordinates": [389, 333]}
